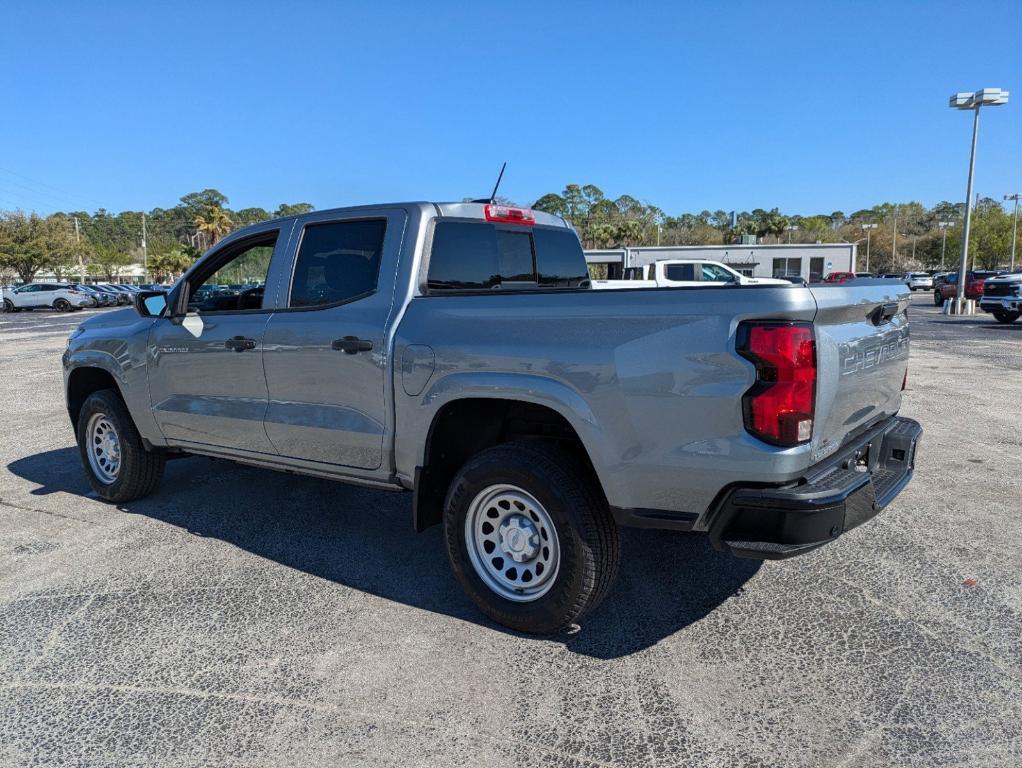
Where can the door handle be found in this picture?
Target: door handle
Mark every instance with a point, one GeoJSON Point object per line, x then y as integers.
{"type": "Point", "coordinates": [239, 343]}
{"type": "Point", "coordinates": [351, 345]}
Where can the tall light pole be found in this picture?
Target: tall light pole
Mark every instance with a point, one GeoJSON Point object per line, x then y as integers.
{"type": "Point", "coordinates": [894, 244]}
{"type": "Point", "coordinates": [943, 240]}
{"type": "Point", "coordinates": [869, 228]}
{"type": "Point", "coordinates": [990, 97]}
{"type": "Point", "coordinates": [1014, 226]}
{"type": "Point", "coordinates": [145, 252]}
{"type": "Point", "coordinates": [791, 228]}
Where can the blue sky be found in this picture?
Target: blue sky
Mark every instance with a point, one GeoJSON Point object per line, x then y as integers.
{"type": "Point", "coordinates": [813, 107]}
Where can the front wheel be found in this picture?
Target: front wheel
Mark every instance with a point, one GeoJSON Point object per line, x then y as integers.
{"type": "Point", "coordinates": [530, 537]}
{"type": "Point", "coordinates": [115, 460]}
{"type": "Point", "coordinates": [1003, 316]}
{"type": "Point", "coordinates": [938, 300]}
{"type": "Point", "coordinates": [9, 306]}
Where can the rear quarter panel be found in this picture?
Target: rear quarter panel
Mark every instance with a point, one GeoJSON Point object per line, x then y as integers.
{"type": "Point", "coordinates": [648, 378]}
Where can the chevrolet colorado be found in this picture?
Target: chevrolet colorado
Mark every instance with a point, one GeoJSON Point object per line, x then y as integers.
{"type": "Point", "coordinates": [1002, 297]}
{"type": "Point", "coordinates": [458, 352]}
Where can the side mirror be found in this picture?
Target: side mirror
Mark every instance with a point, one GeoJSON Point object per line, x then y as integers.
{"type": "Point", "coordinates": [150, 303]}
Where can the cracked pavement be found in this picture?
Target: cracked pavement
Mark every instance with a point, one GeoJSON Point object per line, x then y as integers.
{"type": "Point", "coordinates": [243, 617]}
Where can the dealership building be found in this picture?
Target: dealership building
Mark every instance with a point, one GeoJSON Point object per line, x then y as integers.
{"type": "Point", "coordinates": [811, 261]}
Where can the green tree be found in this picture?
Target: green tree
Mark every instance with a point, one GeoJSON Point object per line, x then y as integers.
{"type": "Point", "coordinates": [247, 216]}
{"type": "Point", "coordinates": [291, 209]}
{"type": "Point", "coordinates": [29, 243]}
{"type": "Point", "coordinates": [108, 260]}
{"type": "Point", "coordinates": [169, 264]}
{"type": "Point", "coordinates": [196, 202]}
{"type": "Point", "coordinates": [214, 223]}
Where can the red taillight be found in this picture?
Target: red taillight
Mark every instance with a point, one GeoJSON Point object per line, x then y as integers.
{"type": "Point", "coordinates": [506, 215]}
{"type": "Point", "coordinates": [779, 407]}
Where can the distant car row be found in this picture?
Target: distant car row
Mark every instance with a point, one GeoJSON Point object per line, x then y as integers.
{"type": "Point", "coordinates": [916, 281]}
{"type": "Point", "coordinates": [67, 297]}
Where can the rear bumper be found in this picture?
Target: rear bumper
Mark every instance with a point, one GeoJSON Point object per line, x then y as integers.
{"type": "Point", "coordinates": [841, 493]}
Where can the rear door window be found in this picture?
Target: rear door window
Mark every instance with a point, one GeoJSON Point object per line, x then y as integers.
{"type": "Point", "coordinates": [680, 272]}
{"type": "Point", "coordinates": [337, 262]}
{"type": "Point", "coordinates": [478, 256]}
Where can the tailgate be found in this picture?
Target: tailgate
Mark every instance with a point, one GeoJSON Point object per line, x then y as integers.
{"type": "Point", "coordinates": [862, 351]}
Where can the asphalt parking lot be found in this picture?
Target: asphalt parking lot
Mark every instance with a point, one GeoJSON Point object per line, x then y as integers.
{"type": "Point", "coordinates": [240, 617]}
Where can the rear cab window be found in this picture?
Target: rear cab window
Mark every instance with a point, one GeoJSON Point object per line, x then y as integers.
{"type": "Point", "coordinates": [482, 256]}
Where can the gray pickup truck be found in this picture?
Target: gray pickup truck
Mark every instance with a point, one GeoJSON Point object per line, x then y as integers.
{"type": "Point", "coordinates": [457, 351]}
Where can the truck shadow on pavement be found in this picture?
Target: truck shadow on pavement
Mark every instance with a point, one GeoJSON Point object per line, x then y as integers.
{"type": "Point", "coordinates": [363, 539]}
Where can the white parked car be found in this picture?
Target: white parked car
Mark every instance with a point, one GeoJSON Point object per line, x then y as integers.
{"type": "Point", "coordinates": [59, 296]}
{"type": "Point", "coordinates": [919, 281]}
{"type": "Point", "coordinates": [688, 273]}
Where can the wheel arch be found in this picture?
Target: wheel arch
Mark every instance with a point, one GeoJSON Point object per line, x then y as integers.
{"type": "Point", "coordinates": [464, 426]}
{"type": "Point", "coordinates": [82, 382]}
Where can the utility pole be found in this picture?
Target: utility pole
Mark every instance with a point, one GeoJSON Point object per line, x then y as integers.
{"type": "Point", "coordinates": [1014, 226]}
{"type": "Point", "coordinates": [145, 251]}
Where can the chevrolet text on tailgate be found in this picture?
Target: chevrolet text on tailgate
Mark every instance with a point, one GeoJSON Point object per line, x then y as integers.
{"type": "Point", "coordinates": [458, 351]}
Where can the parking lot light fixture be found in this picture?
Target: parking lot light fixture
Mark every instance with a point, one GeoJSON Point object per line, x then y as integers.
{"type": "Point", "coordinates": [789, 229]}
{"type": "Point", "coordinates": [987, 97]}
{"type": "Point", "coordinates": [867, 228]}
{"type": "Point", "coordinates": [1014, 226]}
{"type": "Point", "coordinates": [943, 239]}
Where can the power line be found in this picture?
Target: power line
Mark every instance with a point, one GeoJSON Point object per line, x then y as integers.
{"type": "Point", "coordinates": [61, 192]}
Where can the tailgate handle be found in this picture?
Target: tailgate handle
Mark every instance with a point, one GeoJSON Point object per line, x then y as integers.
{"type": "Point", "coordinates": [883, 313]}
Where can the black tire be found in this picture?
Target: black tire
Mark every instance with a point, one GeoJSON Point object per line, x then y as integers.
{"type": "Point", "coordinates": [9, 306]}
{"type": "Point", "coordinates": [140, 470]}
{"type": "Point", "coordinates": [589, 543]}
{"type": "Point", "coordinates": [62, 305]}
{"type": "Point", "coordinates": [938, 300]}
{"type": "Point", "coordinates": [1002, 316]}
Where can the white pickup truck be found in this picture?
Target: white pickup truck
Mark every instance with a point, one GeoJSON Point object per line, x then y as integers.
{"type": "Point", "coordinates": [687, 273]}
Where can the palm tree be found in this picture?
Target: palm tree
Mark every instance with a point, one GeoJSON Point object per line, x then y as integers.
{"type": "Point", "coordinates": [214, 223]}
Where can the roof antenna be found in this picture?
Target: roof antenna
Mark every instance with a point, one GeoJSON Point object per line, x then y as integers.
{"type": "Point", "coordinates": [493, 197]}
{"type": "Point", "coordinates": [496, 186]}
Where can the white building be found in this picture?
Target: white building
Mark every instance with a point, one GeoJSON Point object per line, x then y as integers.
{"type": "Point", "coordinates": [811, 261]}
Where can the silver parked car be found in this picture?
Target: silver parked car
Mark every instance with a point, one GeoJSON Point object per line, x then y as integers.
{"type": "Point", "coordinates": [919, 281]}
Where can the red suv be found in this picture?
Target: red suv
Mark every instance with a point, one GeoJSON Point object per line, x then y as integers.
{"type": "Point", "coordinates": [839, 277]}
{"type": "Point", "coordinates": [948, 288]}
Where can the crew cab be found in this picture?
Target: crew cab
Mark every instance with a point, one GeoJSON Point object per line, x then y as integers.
{"type": "Point", "coordinates": [1002, 297]}
{"type": "Point", "coordinates": [687, 273]}
{"type": "Point", "coordinates": [458, 352]}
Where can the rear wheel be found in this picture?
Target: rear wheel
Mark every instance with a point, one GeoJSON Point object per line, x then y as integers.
{"type": "Point", "coordinates": [62, 305]}
{"type": "Point", "coordinates": [1003, 316]}
{"type": "Point", "coordinates": [938, 300]}
{"type": "Point", "coordinates": [530, 537]}
{"type": "Point", "coordinates": [115, 460]}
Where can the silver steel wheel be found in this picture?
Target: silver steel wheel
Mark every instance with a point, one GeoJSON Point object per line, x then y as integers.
{"type": "Point", "coordinates": [103, 448]}
{"type": "Point", "coordinates": [512, 543]}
